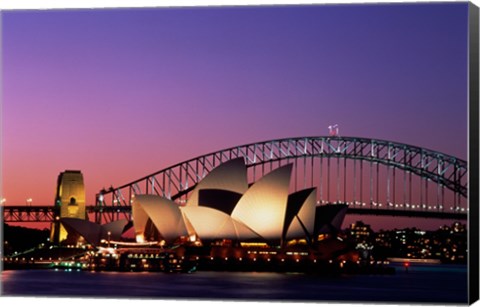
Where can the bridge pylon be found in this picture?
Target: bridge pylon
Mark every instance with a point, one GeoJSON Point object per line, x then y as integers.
{"type": "Point", "coordinates": [69, 202]}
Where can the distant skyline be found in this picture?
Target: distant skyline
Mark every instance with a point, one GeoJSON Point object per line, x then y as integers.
{"type": "Point", "coordinates": [122, 93]}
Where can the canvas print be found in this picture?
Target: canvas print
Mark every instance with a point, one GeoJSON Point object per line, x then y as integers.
{"type": "Point", "coordinates": [302, 153]}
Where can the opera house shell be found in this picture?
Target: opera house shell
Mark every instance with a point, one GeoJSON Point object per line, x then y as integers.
{"type": "Point", "coordinates": [94, 233]}
{"type": "Point", "coordinates": [223, 206]}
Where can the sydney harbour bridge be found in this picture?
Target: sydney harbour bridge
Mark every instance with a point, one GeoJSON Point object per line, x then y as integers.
{"type": "Point", "coordinates": [371, 176]}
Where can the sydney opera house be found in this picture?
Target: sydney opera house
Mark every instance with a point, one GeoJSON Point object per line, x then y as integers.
{"type": "Point", "coordinates": [225, 209]}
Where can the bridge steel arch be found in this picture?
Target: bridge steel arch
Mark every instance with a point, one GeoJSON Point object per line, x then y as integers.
{"type": "Point", "coordinates": [361, 171]}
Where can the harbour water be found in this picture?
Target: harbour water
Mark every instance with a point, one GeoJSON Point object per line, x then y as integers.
{"type": "Point", "coordinates": [422, 283]}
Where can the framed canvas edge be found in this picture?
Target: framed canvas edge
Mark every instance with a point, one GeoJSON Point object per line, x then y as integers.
{"type": "Point", "coordinates": [473, 143]}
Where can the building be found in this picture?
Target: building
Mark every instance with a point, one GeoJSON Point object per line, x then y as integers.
{"type": "Point", "coordinates": [224, 209]}
{"type": "Point", "coordinates": [361, 233]}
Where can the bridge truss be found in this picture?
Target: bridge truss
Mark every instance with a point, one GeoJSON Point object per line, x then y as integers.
{"type": "Point", "coordinates": [12, 214]}
{"type": "Point", "coordinates": [367, 174]}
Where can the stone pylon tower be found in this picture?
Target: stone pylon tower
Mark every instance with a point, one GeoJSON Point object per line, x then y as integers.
{"type": "Point", "coordinates": [69, 202]}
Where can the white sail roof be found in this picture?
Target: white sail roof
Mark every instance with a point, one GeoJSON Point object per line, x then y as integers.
{"type": "Point", "coordinates": [93, 233]}
{"type": "Point", "coordinates": [305, 218]}
{"type": "Point", "coordinates": [140, 218]}
{"type": "Point", "coordinates": [214, 224]}
{"type": "Point", "coordinates": [263, 206]}
{"type": "Point", "coordinates": [164, 214]}
{"type": "Point", "coordinates": [229, 176]}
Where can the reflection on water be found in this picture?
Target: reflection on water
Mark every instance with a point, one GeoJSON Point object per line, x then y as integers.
{"type": "Point", "coordinates": [422, 283]}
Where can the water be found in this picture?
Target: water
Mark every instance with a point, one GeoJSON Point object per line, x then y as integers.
{"type": "Point", "coordinates": [423, 283]}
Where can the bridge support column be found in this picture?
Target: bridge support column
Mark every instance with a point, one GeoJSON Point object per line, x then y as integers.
{"type": "Point", "coordinates": [69, 202]}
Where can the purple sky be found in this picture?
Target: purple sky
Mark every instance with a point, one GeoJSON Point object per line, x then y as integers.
{"type": "Point", "coordinates": [122, 93]}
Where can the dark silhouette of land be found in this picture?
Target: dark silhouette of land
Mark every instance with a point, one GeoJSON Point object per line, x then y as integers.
{"type": "Point", "coordinates": [19, 239]}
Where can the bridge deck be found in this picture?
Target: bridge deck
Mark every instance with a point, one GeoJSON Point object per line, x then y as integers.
{"type": "Point", "coordinates": [47, 213]}
{"type": "Point", "coordinates": [410, 213]}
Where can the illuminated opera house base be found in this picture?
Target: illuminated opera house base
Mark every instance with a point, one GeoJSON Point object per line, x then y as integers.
{"type": "Point", "coordinates": [226, 223]}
